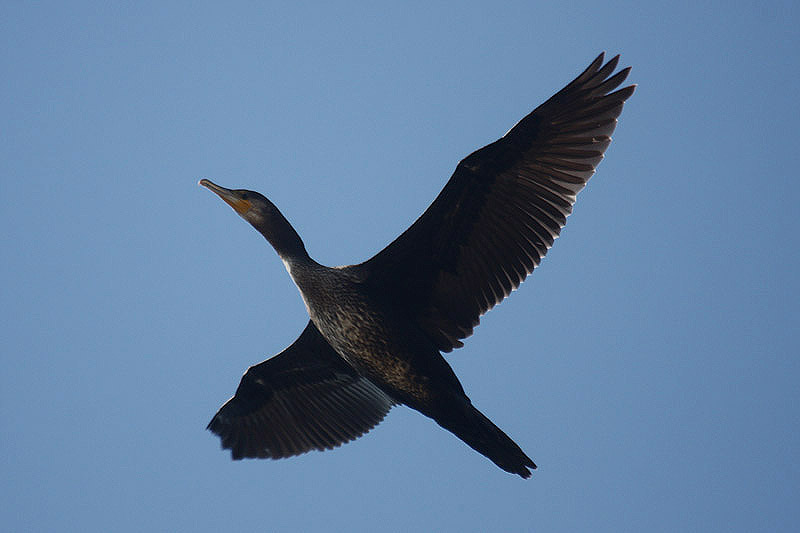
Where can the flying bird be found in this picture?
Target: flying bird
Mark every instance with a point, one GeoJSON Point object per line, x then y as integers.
{"type": "Point", "coordinates": [377, 329]}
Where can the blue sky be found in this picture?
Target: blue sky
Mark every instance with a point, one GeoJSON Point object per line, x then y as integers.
{"type": "Point", "coordinates": [649, 367]}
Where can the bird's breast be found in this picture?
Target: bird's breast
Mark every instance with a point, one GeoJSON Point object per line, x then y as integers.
{"type": "Point", "coordinates": [372, 339]}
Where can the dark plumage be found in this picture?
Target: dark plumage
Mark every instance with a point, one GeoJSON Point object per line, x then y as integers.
{"type": "Point", "coordinates": [377, 328]}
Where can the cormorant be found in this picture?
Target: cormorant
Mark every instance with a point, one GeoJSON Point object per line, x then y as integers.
{"type": "Point", "coordinates": [377, 329]}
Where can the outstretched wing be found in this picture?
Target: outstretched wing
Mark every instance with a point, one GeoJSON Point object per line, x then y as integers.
{"type": "Point", "coordinates": [501, 210]}
{"type": "Point", "coordinates": [305, 398]}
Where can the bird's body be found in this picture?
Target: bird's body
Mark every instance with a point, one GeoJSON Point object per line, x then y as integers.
{"type": "Point", "coordinates": [371, 335]}
{"type": "Point", "coordinates": [377, 329]}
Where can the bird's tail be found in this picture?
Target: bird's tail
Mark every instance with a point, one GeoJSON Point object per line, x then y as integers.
{"type": "Point", "coordinates": [484, 437]}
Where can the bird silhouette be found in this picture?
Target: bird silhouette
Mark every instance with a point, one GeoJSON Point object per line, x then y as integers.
{"type": "Point", "coordinates": [377, 329]}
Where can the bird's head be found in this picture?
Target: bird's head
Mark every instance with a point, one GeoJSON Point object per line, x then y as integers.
{"type": "Point", "coordinates": [251, 206]}
{"type": "Point", "coordinates": [263, 216]}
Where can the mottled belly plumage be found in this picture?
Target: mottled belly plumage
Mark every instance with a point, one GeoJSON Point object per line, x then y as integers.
{"type": "Point", "coordinates": [369, 341]}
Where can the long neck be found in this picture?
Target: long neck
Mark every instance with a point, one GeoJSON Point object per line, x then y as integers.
{"type": "Point", "coordinates": [283, 237]}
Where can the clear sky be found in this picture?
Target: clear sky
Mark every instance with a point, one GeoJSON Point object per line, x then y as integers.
{"type": "Point", "coordinates": [649, 367]}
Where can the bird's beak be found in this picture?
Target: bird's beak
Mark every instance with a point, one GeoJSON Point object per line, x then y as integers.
{"type": "Point", "coordinates": [232, 198]}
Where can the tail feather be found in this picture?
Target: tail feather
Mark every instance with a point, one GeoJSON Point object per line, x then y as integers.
{"type": "Point", "coordinates": [475, 429]}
